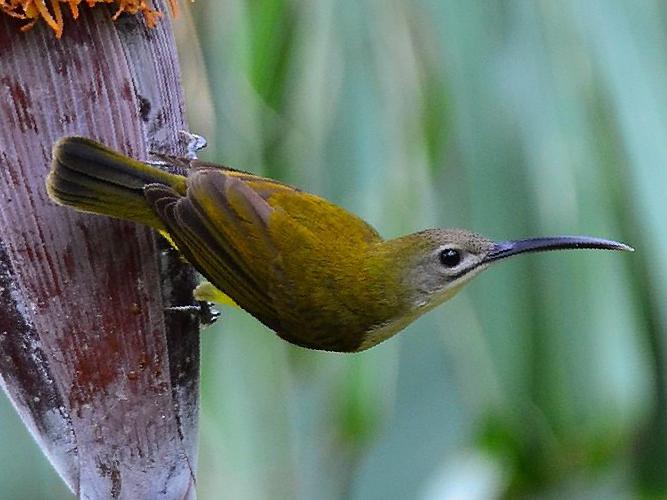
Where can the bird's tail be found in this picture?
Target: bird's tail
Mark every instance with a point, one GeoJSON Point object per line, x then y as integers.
{"type": "Point", "coordinates": [90, 177]}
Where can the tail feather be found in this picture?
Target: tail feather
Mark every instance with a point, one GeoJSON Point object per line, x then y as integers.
{"type": "Point", "coordinates": [93, 178]}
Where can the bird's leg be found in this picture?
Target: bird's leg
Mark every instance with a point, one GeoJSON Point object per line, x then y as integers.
{"type": "Point", "coordinates": [191, 309]}
{"type": "Point", "coordinates": [205, 312]}
{"type": "Point", "coordinates": [201, 309]}
{"type": "Point", "coordinates": [206, 296]}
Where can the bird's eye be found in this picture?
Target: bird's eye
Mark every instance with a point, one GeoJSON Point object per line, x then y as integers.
{"type": "Point", "coordinates": [450, 257]}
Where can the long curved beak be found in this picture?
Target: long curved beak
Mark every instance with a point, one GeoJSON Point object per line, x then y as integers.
{"type": "Point", "coordinates": [504, 249]}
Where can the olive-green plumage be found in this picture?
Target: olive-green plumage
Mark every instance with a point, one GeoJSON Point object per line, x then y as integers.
{"type": "Point", "coordinates": [316, 274]}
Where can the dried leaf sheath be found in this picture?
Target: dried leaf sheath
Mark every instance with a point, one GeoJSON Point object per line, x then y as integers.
{"type": "Point", "coordinates": [115, 375]}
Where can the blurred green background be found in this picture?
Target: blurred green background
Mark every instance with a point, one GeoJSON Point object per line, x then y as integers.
{"type": "Point", "coordinates": [546, 376]}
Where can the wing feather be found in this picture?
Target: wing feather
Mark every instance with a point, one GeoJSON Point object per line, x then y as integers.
{"type": "Point", "coordinates": [209, 239]}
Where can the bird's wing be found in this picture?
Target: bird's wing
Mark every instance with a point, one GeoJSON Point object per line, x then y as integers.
{"type": "Point", "coordinates": [283, 255]}
{"type": "Point", "coordinates": [321, 217]}
{"type": "Point", "coordinates": [220, 225]}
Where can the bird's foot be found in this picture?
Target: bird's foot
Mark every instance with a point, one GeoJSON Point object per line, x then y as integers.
{"type": "Point", "coordinates": [205, 312]}
{"type": "Point", "coordinates": [175, 164]}
{"type": "Point", "coordinates": [194, 143]}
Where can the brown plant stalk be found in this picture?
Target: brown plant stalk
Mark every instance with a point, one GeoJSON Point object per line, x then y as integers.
{"type": "Point", "coordinates": [103, 371]}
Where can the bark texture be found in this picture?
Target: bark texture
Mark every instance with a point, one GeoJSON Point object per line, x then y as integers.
{"type": "Point", "coordinates": [105, 377]}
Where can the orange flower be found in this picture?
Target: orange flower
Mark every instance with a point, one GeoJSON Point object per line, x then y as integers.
{"type": "Point", "coordinates": [34, 10]}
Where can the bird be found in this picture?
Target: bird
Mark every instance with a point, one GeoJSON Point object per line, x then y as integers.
{"type": "Point", "coordinates": [314, 273]}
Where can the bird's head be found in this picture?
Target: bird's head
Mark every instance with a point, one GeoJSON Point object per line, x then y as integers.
{"type": "Point", "coordinates": [443, 260]}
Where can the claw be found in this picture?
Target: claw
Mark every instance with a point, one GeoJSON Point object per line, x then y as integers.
{"type": "Point", "coordinates": [209, 314]}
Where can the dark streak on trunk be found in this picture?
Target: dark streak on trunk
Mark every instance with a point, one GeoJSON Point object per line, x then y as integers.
{"type": "Point", "coordinates": [105, 381]}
